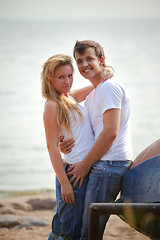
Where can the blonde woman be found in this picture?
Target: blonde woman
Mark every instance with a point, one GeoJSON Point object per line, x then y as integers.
{"type": "Point", "coordinates": [63, 115]}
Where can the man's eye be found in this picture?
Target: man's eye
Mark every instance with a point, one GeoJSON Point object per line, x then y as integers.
{"type": "Point", "coordinates": [61, 77]}
{"type": "Point", "coordinates": [70, 75]}
{"type": "Point", "coordinates": [79, 62]}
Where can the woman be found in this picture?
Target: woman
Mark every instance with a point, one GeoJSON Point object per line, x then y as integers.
{"type": "Point", "coordinates": [64, 116]}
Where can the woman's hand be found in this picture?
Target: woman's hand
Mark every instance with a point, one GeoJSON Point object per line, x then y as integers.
{"type": "Point", "coordinates": [66, 145]}
{"type": "Point", "coordinates": [107, 73]}
{"type": "Point", "coordinates": [67, 193]}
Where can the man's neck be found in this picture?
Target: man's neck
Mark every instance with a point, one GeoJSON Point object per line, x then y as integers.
{"type": "Point", "coordinates": [96, 80]}
{"type": "Point", "coordinates": [95, 83]}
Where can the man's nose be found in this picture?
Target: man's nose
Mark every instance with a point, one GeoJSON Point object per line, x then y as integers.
{"type": "Point", "coordinates": [85, 63]}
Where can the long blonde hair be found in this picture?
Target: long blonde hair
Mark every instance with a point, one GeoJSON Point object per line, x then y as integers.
{"type": "Point", "coordinates": [50, 93]}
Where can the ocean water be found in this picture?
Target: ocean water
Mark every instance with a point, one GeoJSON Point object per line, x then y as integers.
{"type": "Point", "coordinates": [131, 47]}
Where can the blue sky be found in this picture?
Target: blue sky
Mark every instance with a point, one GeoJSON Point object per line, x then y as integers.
{"type": "Point", "coordinates": [81, 9]}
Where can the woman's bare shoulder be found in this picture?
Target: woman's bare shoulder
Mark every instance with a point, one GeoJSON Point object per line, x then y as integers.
{"type": "Point", "coordinates": [50, 108]}
{"type": "Point", "coordinates": [49, 104]}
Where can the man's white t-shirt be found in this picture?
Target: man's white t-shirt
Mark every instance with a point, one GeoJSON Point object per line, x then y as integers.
{"type": "Point", "coordinates": [108, 95]}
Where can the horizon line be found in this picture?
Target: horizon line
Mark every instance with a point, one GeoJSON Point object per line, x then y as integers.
{"type": "Point", "coordinates": [81, 19]}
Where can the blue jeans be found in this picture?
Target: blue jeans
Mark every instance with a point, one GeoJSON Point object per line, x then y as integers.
{"type": "Point", "coordinates": [67, 221]}
{"type": "Point", "coordinates": [104, 185]}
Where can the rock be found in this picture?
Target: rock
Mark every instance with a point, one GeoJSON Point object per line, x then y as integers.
{"type": "Point", "coordinates": [42, 203]}
{"type": "Point", "coordinates": [21, 206]}
{"type": "Point", "coordinates": [9, 221]}
{"type": "Point", "coordinates": [8, 210]}
{"type": "Point", "coordinates": [32, 222]}
{"type": "Point", "coordinates": [2, 204]}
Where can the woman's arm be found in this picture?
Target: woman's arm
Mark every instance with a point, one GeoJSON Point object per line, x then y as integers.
{"type": "Point", "coordinates": [52, 138]}
{"type": "Point", "coordinates": [80, 94]}
{"type": "Point", "coordinates": [108, 72]}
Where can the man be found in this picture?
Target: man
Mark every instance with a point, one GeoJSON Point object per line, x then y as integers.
{"type": "Point", "coordinates": [109, 110]}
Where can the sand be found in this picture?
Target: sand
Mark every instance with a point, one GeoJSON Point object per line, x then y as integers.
{"type": "Point", "coordinates": [115, 229]}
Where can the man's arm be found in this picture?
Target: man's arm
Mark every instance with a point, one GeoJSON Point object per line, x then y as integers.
{"type": "Point", "coordinates": [111, 122]}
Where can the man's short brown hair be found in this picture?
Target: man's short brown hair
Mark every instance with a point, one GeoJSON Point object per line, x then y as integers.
{"type": "Point", "coordinates": [81, 46]}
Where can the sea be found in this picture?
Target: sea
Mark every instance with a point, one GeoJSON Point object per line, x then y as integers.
{"type": "Point", "coordinates": [132, 48]}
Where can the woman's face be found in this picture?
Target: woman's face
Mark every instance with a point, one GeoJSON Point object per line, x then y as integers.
{"type": "Point", "coordinates": [63, 78]}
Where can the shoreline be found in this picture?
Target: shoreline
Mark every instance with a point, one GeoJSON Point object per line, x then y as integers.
{"type": "Point", "coordinates": [18, 193]}
{"type": "Point", "coordinates": [28, 215]}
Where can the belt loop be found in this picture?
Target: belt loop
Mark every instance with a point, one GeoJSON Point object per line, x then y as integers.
{"type": "Point", "coordinates": [110, 163]}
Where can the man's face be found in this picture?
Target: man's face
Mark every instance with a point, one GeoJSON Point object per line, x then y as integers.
{"type": "Point", "coordinates": [88, 64]}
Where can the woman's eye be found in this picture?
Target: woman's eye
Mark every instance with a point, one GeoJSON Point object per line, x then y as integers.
{"type": "Point", "coordinates": [61, 77]}
{"type": "Point", "coordinates": [70, 75]}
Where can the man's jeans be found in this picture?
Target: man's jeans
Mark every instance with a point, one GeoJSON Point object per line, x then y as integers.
{"type": "Point", "coordinates": [67, 221]}
{"type": "Point", "coordinates": [103, 186]}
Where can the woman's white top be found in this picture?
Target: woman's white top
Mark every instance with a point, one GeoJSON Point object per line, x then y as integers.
{"type": "Point", "coordinates": [82, 134]}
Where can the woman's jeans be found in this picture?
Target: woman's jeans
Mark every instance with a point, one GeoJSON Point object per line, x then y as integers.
{"type": "Point", "coordinates": [104, 184]}
{"type": "Point", "coordinates": [67, 221]}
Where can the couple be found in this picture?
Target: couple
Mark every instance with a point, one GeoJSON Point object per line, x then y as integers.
{"type": "Point", "coordinates": [102, 150]}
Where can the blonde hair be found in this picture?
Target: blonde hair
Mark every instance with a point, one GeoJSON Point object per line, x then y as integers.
{"type": "Point", "coordinates": [50, 93]}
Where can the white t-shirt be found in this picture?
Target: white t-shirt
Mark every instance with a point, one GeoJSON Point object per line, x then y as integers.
{"type": "Point", "coordinates": [82, 134]}
{"type": "Point", "coordinates": [108, 95]}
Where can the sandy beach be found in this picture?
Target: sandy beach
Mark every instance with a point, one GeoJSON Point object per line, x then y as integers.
{"type": "Point", "coordinates": [29, 217]}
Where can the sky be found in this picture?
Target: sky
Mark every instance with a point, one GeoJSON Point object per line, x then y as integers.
{"type": "Point", "coordinates": [79, 9]}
